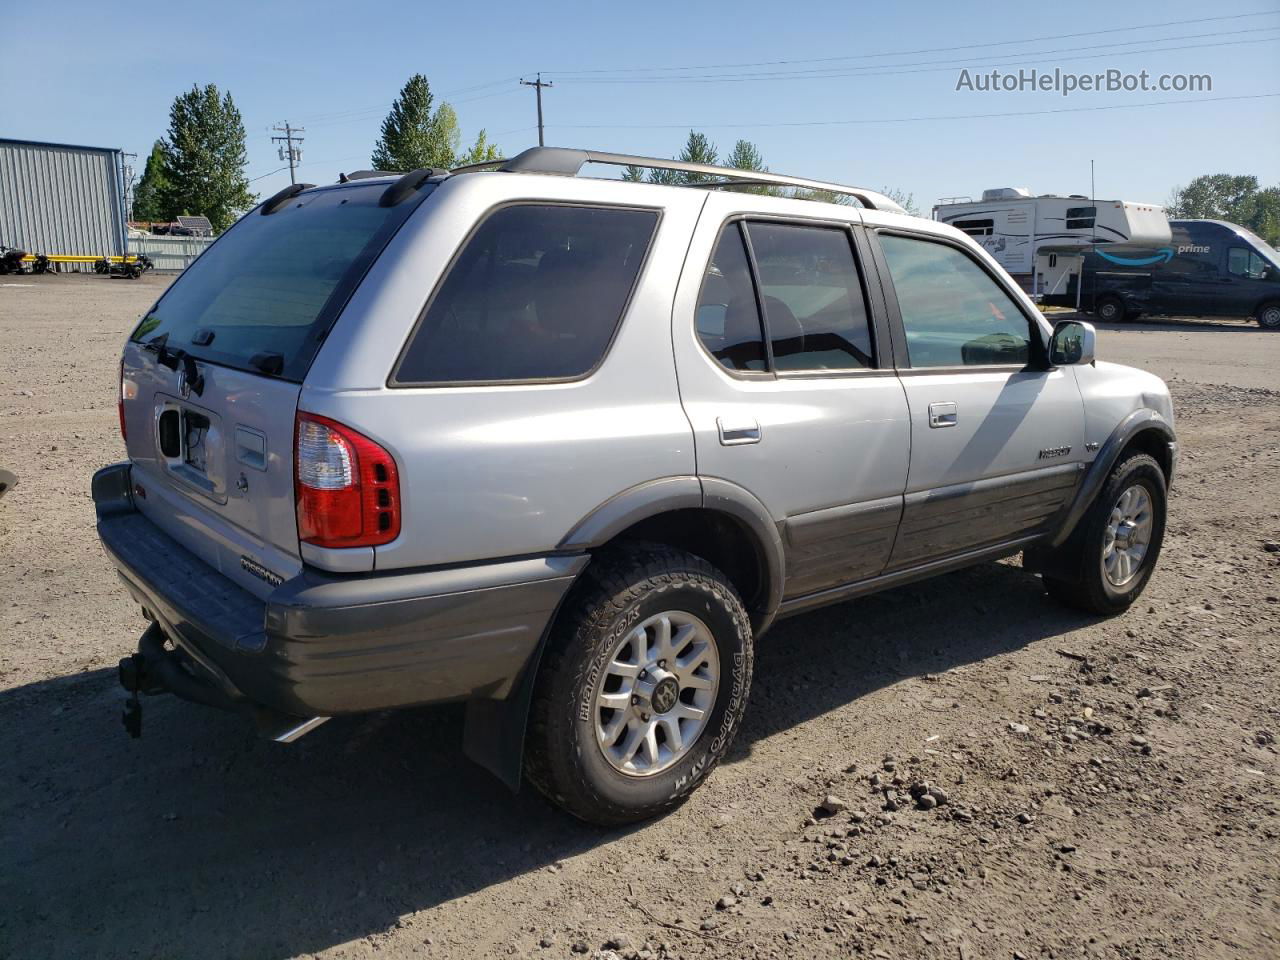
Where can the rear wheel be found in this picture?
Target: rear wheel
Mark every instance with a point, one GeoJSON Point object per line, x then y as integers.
{"type": "Point", "coordinates": [1269, 316]}
{"type": "Point", "coordinates": [642, 687]}
{"type": "Point", "coordinates": [1111, 554]}
{"type": "Point", "coordinates": [1109, 309]}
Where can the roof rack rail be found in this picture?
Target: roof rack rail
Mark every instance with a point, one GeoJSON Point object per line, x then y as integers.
{"type": "Point", "coordinates": [367, 174]}
{"type": "Point", "coordinates": [284, 196]}
{"type": "Point", "coordinates": [407, 184]}
{"type": "Point", "coordinates": [567, 162]}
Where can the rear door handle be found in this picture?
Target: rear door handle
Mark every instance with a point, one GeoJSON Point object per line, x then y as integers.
{"type": "Point", "coordinates": [943, 414]}
{"type": "Point", "coordinates": [736, 432]}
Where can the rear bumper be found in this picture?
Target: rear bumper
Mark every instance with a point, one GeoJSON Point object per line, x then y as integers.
{"type": "Point", "coordinates": [323, 644]}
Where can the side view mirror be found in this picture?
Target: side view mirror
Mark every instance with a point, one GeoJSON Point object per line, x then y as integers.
{"type": "Point", "coordinates": [1072, 343]}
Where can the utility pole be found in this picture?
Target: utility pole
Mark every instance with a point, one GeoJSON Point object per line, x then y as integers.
{"type": "Point", "coordinates": [289, 151]}
{"type": "Point", "coordinates": [537, 86]}
{"type": "Point", "coordinates": [127, 179]}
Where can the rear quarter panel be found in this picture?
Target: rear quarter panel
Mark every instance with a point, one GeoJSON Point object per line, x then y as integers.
{"type": "Point", "coordinates": [508, 470]}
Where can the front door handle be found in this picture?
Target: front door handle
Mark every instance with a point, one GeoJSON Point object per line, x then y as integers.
{"type": "Point", "coordinates": [943, 415]}
{"type": "Point", "coordinates": [736, 432]}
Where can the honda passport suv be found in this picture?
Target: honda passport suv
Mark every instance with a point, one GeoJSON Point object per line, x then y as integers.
{"type": "Point", "coordinates": [562, 448]}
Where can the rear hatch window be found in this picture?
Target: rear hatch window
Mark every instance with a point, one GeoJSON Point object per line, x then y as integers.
{"type": "Point", "coordinates": [265, 294]}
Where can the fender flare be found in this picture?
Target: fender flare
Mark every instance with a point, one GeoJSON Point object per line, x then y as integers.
{"type": "Point", "coordinates": [666, 494]}
{"type": "Point", "coordinates": [494, 731]}
{"type": "Point", "coordinates": [1139, 421]}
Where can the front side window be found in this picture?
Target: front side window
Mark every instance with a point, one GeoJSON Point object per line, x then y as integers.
{"type": "Point", "coordinates": [813, 304]}
{"type": "Point", "coordinates": [1245, 263]}
{"type": "Point", "coordinates": [953, 313]}
{"type": "Point", "coordinates": [536, 294]}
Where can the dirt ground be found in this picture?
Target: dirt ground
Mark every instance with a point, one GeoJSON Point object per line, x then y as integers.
{"type": "Point", "coordinates": [1111, 785]}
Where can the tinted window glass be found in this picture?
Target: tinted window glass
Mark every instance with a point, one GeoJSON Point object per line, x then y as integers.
{"type": "Point", "coordinates": [953, 313]}
{"type": "Point", "coordinates": [535, 294]}
{"type": "Point", "coordinates": [728, 318]}
{"type": "Point", "coordinates": [813, 304]}
{"type": "Point", "coordinates": [264, 286]}
{"type": "Point", "coordinates": [1081, 218]}
{"type": "Point", "coordinates": [976, 228]}
{"type": "Point", "coordinates": [1244, 263]}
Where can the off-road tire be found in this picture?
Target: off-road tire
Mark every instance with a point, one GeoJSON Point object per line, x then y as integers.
{"type": "Point", "coordinates": [1084, 585]}
{"type": "Point", "coordinates": [620, 589]}
{"type": "Point", "coordinates": [1109, 309]}
{"type": "Point", "coordinates": [1269, 316]}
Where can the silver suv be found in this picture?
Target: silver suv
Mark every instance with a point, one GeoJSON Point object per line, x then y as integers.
{"type": "Point", "coordinates": [564, 447]}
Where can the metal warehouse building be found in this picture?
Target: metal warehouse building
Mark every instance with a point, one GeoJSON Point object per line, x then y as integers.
{"type": "Point", "coordinates": [56, 198]}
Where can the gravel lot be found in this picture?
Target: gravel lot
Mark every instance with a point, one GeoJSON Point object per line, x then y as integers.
{"type": "Point", "coordinates": [1110, 785]}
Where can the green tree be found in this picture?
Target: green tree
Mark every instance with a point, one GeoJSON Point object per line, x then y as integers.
{"type": "Point", "coordinates": [1231, 197]}
{"type": "Point", "coordinates": [907, 201]}
{"type": "Point", "coordinates": [1215, 196]}
{"type": "Point", "coordinates": [414, 136]}
{"type": "Point", "coordinates": [821, 196]}
{"type": "Point", "coordinates": [697, 149]}
{"type": "Point", "coordinates": [148, 196]}
{"type": "Point", "coordinates": [746, 156]}
{"type": "Point", "coordinates": [204, 158]}
{"type": "Point", "coordinates": [633, 174]}
{"type": "Point", "coordinates": [481, 151]}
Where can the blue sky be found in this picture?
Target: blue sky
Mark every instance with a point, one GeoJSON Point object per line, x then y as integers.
{"type": "Point", "coordinates": [86, 75]}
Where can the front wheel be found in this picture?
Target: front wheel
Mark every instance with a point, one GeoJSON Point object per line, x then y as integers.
{"type": "Point", "coordinates": [1269, 316]}
{"type": "Point", "coordinates": [1109, 309]}
{"type": "Point", "coordinates": [1112, 553]}
{"type": "Point", "coordinates": [642, 687]}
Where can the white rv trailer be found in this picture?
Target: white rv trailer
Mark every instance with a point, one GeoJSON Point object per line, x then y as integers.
{"type": "Point", "coordinates": [1015, 226]}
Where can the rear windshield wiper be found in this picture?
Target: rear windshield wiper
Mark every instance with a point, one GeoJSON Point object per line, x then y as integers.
{"type": "Point", "coordinates": [164, 356]}
{"type": "Point", "coordinates": [173, 358]}
{"type": "Point", "coordinates": [269, 362]}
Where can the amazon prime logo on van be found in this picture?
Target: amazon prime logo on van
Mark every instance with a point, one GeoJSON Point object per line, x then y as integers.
{"type": "Point", "coordinates": [1163, 255]}
{"type": "Point", "coordinates": [1193, 248]}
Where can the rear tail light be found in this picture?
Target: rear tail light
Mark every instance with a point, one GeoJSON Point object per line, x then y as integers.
{"type": "Point", "coordinates": [346, 486]}
{"type": "Point", "coordinates": [128, 390]}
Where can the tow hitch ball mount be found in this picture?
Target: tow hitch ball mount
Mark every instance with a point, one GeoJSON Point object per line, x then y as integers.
{"type": "Point", "coordinates": [132, 678]}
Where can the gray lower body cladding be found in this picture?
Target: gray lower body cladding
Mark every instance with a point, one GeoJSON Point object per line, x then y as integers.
{"type": "Point", "coordinates": [326, 645]}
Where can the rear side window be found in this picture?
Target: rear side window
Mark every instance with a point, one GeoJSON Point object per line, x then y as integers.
{"type": "Point", "coordinates": [536, 294]}
{"type": "Point", "coordinates": [728, 318]}
{"type": "Point", "coordinates": [953, 313]}
{"type": "Point", "coordinates": [813, 303]}
{"type": "Point", "coordinates": [264, 295]}
{"type": "Point", "coordinates": [815, 314]}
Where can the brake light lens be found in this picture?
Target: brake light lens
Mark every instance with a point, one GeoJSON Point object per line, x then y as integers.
{"type": "Point", "coordinates": [346, 487]}
{"type": "Point", "coordinates": [128, 390]}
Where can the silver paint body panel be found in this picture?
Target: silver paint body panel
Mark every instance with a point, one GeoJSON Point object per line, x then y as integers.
{"type": "Point", "coordinates": [848, 467]}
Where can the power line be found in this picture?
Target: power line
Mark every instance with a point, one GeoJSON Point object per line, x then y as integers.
{"type": "Point", "coordinates": [366, 114]}
{"type": "Point", "coordinates": [904, 53]}
{"type": "Point", "coordinates": [321, 119]}
{"type": "Point", "coordinates": [265, 175]}
{"type": "Point", "coordinates": [950, 65]}
{"type": "Point", "coordinates": [961, 116]}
